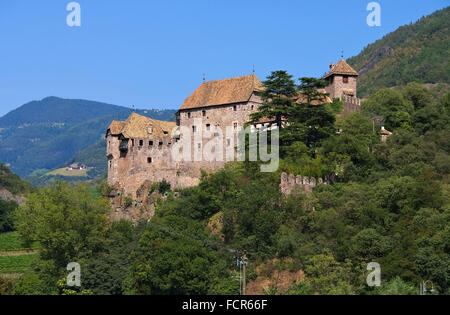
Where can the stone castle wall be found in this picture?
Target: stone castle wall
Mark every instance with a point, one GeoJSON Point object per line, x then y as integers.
{"type": "Point", "coordinates": [129, 170]}
{"type": "Point", "coordinates": [217, 119]}
{"type": "Point", "coordinates": [147, 162]}
{"type": "Point", "coordinates": [290, 183]}
{"type": "Point", "coordinates": [337, 88]}
{"type": "Point", "coordinates": [351, 105]}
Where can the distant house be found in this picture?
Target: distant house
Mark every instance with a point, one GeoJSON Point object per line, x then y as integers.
{"type": "Point", "coordinates": [78, 167]}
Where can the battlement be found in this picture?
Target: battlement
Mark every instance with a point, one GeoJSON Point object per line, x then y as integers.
{"type": "Point", "coordinates": [290, 182]}
{"type": "Point", "coordinates": [351, 104]}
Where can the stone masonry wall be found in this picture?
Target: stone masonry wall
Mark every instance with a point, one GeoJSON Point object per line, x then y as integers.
{"type": "Point", "coordinates": [215, 120]}
{"type": "Point", "coordinates": [290, 183]}
{"type": "Point", "coordinates": [336, 90]}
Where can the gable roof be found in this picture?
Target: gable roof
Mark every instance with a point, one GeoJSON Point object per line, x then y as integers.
{"type": "Point", "coordinates": [343, 68]}
{"type": "Point", "coordinates": [301, 98]}
{"type": "Point", "coordinates": [221, 92]}
{"type": "Point", "coordinates": [116, 127]}
{"type": "Point", "coordinates": [137, 126]}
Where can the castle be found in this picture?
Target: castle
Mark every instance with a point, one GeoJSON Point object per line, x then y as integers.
{"type": "Point", "coordinates": [141, 150]}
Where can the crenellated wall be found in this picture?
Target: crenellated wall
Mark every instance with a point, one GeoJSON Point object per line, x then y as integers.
{"type": "Point", "coordinates": [351, 104]}
{"type": "Point", "coordinates": [289, 183]}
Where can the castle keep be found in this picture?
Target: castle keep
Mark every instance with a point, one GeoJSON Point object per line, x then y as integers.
{"type": "Point", "coordinates": [141, 150]}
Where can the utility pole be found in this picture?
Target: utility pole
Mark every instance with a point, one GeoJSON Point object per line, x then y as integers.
{"type": "Point", "coordinates": [245, 262]}
{"type": "Point", "coordinates": [242, 263]}
{"type": "Point", "coordinates": [424, 287]}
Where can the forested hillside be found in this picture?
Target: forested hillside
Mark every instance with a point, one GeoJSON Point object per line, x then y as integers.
{"type": "Point", "coordinates": [12, 191]}
{"type": "Point", "coordinates": [390, 203]}
{"type": "Point", "coordinates": [419, 52]}
{"type": "Point", "coordinates": [48, 134]}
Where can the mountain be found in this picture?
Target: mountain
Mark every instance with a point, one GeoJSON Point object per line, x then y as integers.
{"type": "Point", "coordinates": [417, 52]}
{"type": "Point", "coordinates": [43, 135]}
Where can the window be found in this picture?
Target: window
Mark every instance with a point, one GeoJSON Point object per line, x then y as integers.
{"type": "Point", "coordinates": [149, 160]}
{"type": "Point", "coordinates": [189, 115]}
{"type": "Point", "coordinates": [208, 127]}
{"type": "Point", "coordinates": [345, 79]}
{"type": "Point", "coordinates": [235, 126]}
{"type": "Point", "coordinates": [235, 108]}
{"type": "Point", "coordinates": [132, 142]}
{"type": "Point", "coordinates": [141, 143]}
{"type": "Point", "coordinates": [110, 164]}
{"type": "Point", "coordinates": [150, 143]}
{"type": "Point", "coordinates": [199, 146]}
{"type": "Point", "coordinates": [228, 142]}
{"type": "Point", "coordinates": [203, 113]}
{"type": "Point", "coordinates": [160, 143]}
{"type": "Point", "coordinates": [194, 128]}
{"type": "Point", "coordinates": [166, 133]}
{"type": "Point", "coordinates": [253, 107]}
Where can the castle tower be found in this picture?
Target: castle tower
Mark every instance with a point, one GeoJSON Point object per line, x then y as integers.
{"type": "Point", "coordinates": [342, 80]}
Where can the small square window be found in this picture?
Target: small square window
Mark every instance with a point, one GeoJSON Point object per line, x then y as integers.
{"type": "Point", "coordinates": [160, 143]}
{"type": "Point", "coordinates": [345, 79]}
{"type": "Point", "coordinates": [150, 143]}
{"type": "Point", "coordinates": [149, 160]}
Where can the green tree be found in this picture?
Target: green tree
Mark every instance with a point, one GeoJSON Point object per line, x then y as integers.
{"type": "Point", "coordinates": [329, 277]}
{"type": "Point", "coordinates": [6, 215]}
{"type": "Point", "coordinates": [310, 119]}
{"type": "Point", "coordinates": [69, 222]}
{"type": "Point", "coordinates": [391, 105]}
{"type": "Point", "coordinates": [277, 97]}
{"type": "Point", "coordinates": [172, 259]}
{"type": "Point", "coordinates": [397, 287]}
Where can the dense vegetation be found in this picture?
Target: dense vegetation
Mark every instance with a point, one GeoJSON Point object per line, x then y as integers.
{"type": "Point", "coordinates": [44, 135]}
{"type": "Point", "coordinates": [390, 204]}
{"type": "Point", "coordinates": [14, 186]}
{"type": "Point", "coordinates": [417, 52]}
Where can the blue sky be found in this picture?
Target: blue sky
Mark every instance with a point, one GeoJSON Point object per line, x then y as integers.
{"type": "Point", "coordinates": [152, 54]}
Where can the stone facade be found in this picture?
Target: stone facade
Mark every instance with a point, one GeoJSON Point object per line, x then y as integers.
{"type": "Point", "coordinates": [342, 84]}
{"type": "Point", "coordinates": [136, 157]}
{"type": "Point", "coordinates": [223, 122]}
{"type": "Point", "coordinates": [339, 88]}
{"type": "Point", "coordinates": [141, 150]}
{"type": "Point", "coordinates": [290, 183]}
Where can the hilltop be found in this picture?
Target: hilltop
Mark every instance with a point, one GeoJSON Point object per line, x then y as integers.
{"type": "Point", "coordinates": [418, 52]}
